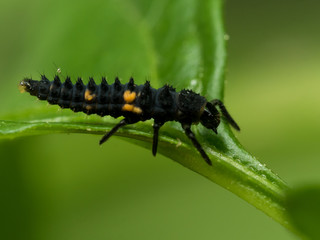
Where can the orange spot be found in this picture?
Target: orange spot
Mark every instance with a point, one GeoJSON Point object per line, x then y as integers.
{"type": "Point", "coordinates": [88, 96]}
{"type": "Point", "coordinates": [129, 96]}
{"type": "Point", "coordinates": [127, 107]}
{"type": "Point", "coordinates": [89, 107]}
{"type": "Point", "coordinates": [131, 108]}
{"type": "Point", "coordinates": [202, 109]}
{"type": "Point", "coordinates": [137, 110]}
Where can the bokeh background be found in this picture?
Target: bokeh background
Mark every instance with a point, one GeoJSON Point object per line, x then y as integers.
{"type": "Point", "coordinates": [67, 187]}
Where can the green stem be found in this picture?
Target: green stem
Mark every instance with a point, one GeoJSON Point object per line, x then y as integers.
{"type": "Point", "coordinates": [233, 167]}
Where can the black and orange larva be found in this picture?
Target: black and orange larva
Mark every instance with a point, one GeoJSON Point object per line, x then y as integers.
{"type": "Point", "coordinates": [133, 102]}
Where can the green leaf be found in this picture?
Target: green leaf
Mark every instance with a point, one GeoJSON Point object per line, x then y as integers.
{"type": "Point", "coordinates": [179, 42]}
{"type": "Point", "coordinates": [304, 210]}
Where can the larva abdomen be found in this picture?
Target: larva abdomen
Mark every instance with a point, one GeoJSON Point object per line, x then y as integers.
{"type": "Point", "coordinates": [102, 99]}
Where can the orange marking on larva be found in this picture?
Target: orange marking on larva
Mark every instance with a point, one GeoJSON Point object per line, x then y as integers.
{"type": "Point", "coordinates": [137, 110]}
{"type": "Point", "coordinates": [202, 108]}
{"type": "Point", "coordinates": [127, 107]}
{"type": "Point", "coordinates": [88, 96]}
{"type": "Point", "coordinates": [89, 107]}
{"type": "Point", "coordinates": [129, 96]}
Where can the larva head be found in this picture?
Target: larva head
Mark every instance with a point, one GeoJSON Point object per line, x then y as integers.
{"type": "Point", "coordinates": [210, 118]}
{"type": "Point", "coordinates": [28, 85]}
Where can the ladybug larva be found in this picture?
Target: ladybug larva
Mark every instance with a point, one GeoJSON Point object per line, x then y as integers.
{"type": "Point", "coordinates": [133, 102]}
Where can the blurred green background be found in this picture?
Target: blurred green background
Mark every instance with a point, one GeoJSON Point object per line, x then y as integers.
{"type": "Point", "coordinates": [67, 187]}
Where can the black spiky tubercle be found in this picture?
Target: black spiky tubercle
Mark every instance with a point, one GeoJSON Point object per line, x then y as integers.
{"type": "Point", "coordinates": [76, 103]}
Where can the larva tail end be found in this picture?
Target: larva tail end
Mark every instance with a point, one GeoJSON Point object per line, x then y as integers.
{"type": "Point", "coordinates": [28, 85]}
{"type": "Point", "coordinates": [24, 85]}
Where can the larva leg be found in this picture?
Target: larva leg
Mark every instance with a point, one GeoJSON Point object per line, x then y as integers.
{"type": "Point", "coordinates": [225, 113]}
{"type": "Point", "coordinates": [113, 130]}
{"type": "Point", "coordinates": [156, 127]}
{"type": "Point", "coordinates": [190, 134]}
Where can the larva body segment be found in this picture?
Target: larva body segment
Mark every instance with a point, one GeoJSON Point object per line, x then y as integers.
{"type": "Point", "coordinates": [133, 102]}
